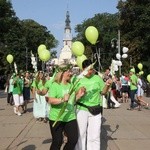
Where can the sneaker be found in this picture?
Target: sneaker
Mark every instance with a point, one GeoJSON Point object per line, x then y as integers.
{"type": "Point", "coordinates": [18, 113]}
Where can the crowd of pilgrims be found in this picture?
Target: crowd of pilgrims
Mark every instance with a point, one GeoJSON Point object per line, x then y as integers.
{"type": "Point", "coordinates": [50, 92]}
{"type": "Point", "coordinates": [20, 87]}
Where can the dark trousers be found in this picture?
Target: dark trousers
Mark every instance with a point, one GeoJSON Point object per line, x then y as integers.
{"type": "Point", "coordinates": [71, 131]}
{"type": "Point", "coordinates": [10, 98]}
{"type": "Point", "coordinates": [110, 103]}
{"type": "Point", "coordinates": [132, 97]}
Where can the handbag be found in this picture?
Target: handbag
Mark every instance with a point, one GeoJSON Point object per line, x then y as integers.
{"type": "Point", "coordinates": [94, 110]}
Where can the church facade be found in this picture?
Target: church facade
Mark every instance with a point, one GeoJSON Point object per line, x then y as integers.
{"type": "Point", "coordinates": [66, 56]}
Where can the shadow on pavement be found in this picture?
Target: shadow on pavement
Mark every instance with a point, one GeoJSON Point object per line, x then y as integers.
{"type": "Point", "coordinates": [106, 134]}
{"type": "Point", "coordinates": [3, 94]}
{"type": "Point", "coordinates": [29, 147]}
{"type": "Point", "coordinates": [47, 141]}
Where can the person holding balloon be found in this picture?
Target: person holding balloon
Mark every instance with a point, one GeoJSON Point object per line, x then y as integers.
{"type": "Point", "coordinates": [89, 108]}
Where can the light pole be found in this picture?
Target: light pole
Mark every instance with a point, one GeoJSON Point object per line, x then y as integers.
{"type": "Point", "coordinates": [116, 44]}
{"type": "Point", "coordinates": [26, 58]}
{"type": "Point", "coordinates": [130, 60]}
{"type": "Point", "coordinates": [119, 50]}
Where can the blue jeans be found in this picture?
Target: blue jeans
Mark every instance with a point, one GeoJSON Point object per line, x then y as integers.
{"type": "Point", "coordinates": [132, 96]}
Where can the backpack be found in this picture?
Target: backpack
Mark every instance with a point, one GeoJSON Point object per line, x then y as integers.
{"type": "Point", "coordinates": [144, 84]}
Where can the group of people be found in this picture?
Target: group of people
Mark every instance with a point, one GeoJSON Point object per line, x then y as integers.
{"type": "Point", "coordinates": [71, 103]}
{"type": "Point", "coordinates": [128, 85]}
{"type": "Point", "coordinates": [136, 89]}
{"type": "Point", "coordinates": [80, 122]}
{"type": "Point", "coordinates": [20, 86]}
{"type": "Point", "coordinates": [18, 89]}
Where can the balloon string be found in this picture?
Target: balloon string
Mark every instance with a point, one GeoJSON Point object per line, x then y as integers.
{"type": "Point", "coordinates": [98, 58]}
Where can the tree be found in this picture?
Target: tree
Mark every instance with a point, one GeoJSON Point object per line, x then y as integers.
{"type": "Point", "coordinates": [135, 30]}
{"type": "Point", "coordinates": [19, 38]}
{"type": "Point", "coordinates": [7, 19]}
{"type": "Point", "coordinates": [107, 27]}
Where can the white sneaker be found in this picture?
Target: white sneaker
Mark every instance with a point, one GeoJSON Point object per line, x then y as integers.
{"type": "Point", "coordinates": [15, 110]}
{"type": "Point", "coordinates": [18, 113]}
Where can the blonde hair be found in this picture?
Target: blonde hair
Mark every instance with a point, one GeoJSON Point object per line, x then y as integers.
{"type": "Point", "coordinates": [58, 77]}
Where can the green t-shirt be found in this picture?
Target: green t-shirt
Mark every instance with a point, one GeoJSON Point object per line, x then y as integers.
{"type": "Point", "coordinates": [94, 85]}
{"type": "Point", "coordinates": [133, 83]}
{"type": "Point", "coordinates": [58, 91]}
{"type": "Point", "coordinates": [38, 85]}
{"type": "Point", "coordinates": [11, 86]}
{"type": "Point", "coordinates": [48, 85]}
{"type": "Point", "coordinates": [18, 85]}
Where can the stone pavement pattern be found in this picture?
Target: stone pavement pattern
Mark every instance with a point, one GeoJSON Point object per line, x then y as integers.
{"type": "Point", "coordinates": [121, 129]}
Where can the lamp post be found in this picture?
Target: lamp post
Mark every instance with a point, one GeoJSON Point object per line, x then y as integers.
{"type": "Point", "coordinates": [130, 60]}
{"type": "Point", "coordinates": [26, 58]}
{"type": "Point", "coordinates": [116, 43]}
{"type": "Point", "coordinates": [119, 50]}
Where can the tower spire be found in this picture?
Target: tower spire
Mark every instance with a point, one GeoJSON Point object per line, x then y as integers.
{"type": "Point", "coordinates": [67, 21]}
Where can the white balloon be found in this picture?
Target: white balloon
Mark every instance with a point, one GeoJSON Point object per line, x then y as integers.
{"type": "Point", "coordinates": [115, 68]}
{"type": "Point", "coordinates": [119, 63]}
{"type": "Point", "coordinates": [124, 55]}
{"type": "Point", "coordinates": [118, 56]}
{"type": "Point", "coordinates": [125, 49]}
{"type": "Point", "coordinates": [34, 63]}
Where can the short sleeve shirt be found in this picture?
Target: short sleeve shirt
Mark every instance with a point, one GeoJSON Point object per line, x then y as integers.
{"type": "Point", "coordinates": [94, 85]}
{"type": "Point", "coordinates": [38, 85]}
{"type": "Point", "coordinates": [58, 91]}
{"type": "Point", "coordinates": [133, 83]}
{"type": "Point", "coordinates": [18, 86]}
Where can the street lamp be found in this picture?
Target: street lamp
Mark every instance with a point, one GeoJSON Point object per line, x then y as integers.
{"type": "Point", "coordinates": [26, 58]}
{"type": "Point", "coordinates": [116, 44]}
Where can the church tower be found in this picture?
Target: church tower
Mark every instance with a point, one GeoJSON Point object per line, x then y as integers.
{"type": "Point", "coordinates": [66, 54]}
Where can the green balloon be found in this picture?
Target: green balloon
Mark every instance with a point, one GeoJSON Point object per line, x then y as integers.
{"type": "Point", "coordinates": [148, 78]}
{"type": "Point", "coordinates": [91, 34]}
{"type": "Point", "coordinates": [45, 55]}
{"type": "Point", "coordinates": [80, 59]}
{"type": "Point", "coordinates": [140, 66]}
{"type": "Point", "coordinates": [10, 58]}
{"type": "Point", "coordinates": [77, 48]}
{"type": "Point", "coordinates": [41, 48]}
{"type": "Point", "coordinates": [141, 72]}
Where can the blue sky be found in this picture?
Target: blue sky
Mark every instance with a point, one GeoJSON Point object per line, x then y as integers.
{"type": "Point", "coordinates": [52, 13]}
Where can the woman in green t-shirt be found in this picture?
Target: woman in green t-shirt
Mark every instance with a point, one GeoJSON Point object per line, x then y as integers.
{"type": "Point", "coordinates": [40, 106]}
{"type": "Point", "coordinates": [58, 96]}
{"type": "Point", "coordinates": [89, 122]}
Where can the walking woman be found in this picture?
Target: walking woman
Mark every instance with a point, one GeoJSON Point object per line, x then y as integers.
{"type": "Point", "coordinates": [89, 122]}
{"type": "Point", "coordinates": [67, 123]}
{"type": "Point", "coordinates": [18, 93]}
{"type": "Point", "coordinates": [40, 108]}
{"type": "Point", "coordinates": [140, 93]}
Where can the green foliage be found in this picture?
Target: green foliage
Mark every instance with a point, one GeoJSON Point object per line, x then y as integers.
{"type": "Point", "coordinates": [133, 22]}
{"type": "Point", "coordinates": [107, 27]}
{"type": "Point", "coordinates": [135, 29]}
{"type": "Point", "coordinates": [20, 37]}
